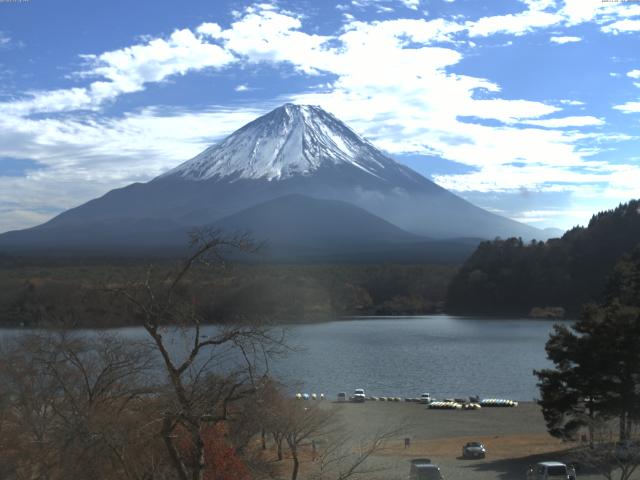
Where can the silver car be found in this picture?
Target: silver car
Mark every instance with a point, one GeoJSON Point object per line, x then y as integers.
{"type": "Point", "coordinates": [423, 469]}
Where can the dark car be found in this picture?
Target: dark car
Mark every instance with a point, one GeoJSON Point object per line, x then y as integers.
{"type": "Point", "coordinates": [474, 450]}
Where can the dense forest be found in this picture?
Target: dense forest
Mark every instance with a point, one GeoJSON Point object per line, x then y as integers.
{"type": "Point", "coordinates": [511, 277]}
{"type": "Point", "coordinates": [79, 296]}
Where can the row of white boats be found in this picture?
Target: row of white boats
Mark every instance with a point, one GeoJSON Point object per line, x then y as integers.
{"type": "Point", "coordinates": [310, 396]}
{"type": "Point", "coordinates": [461, 405]}
{"type": "Point", "coordinates": [474, 403]}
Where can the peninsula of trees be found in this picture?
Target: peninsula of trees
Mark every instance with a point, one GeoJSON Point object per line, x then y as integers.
{"type": "Point", "coordinates": [512, 277]}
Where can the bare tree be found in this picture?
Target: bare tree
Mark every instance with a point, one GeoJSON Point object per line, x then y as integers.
{"type": "Point", "coordinates": [213, 370]}
{"type": "Point", "coordinates": [606, 455]}
{"type": "Point", "coordinates": [341, 459]}
{"type": "Point", "coordinates": [304, 424]}
{"type": "Point", "coordinates": [75, 408]}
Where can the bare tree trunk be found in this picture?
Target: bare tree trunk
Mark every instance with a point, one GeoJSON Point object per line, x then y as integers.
{"type": "Point", "coordinates": [590, 425]}
{"type": "Point", "coordinates": [263, 438]}
{"type": "Point", "coordinates": [173, 451]}
{"type": "Point", "coordinates": [278, 440]}
{"type": "Point", "coordinates": [296, 462]}
{"type": "Point", "coordinates": [198, 468]}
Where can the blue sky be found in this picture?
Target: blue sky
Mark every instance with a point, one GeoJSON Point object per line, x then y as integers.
{"type": "Point", "coordinates": [529, 108]}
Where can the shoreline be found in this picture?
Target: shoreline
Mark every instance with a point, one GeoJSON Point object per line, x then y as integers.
{"type": "Point", "coordinates": [314, 321]}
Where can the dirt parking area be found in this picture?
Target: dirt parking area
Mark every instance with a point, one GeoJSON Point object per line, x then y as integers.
{"type": "Point", "coordinates": [514, 437]}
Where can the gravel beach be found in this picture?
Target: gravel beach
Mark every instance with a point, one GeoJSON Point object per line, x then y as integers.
{"type": "Point", "coordinates": [514, 437]}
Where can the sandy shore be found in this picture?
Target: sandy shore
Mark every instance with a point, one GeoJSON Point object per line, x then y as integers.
{"type": "Point", "coordinates": [514, 437]}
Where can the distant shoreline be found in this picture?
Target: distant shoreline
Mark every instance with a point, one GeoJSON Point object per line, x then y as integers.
{"type": "Point", "coordinates": [344, 318]}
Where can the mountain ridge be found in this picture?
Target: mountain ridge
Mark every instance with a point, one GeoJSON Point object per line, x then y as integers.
{"type": "Point", "coordinates": [290, 150]}
{"type": "Point", "coordinates": [290, 140]}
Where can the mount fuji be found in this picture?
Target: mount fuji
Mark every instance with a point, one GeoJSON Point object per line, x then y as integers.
{"type": "Point", "coordinates": [347, 194]}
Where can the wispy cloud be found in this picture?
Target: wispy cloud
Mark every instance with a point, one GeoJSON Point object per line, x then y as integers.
{"type": "Point", "coordinates": [563, 40]}
{"type": "Point", "coordinates": [5, 40]}
{"type": "Point", "coordinates": [622, 26]}
{"type": "Point", "coordinates": [405, 98]}
{"type": "Point", "coordinates": [125, 71]}
{"type": "Point", "coordinates": [576, 121]}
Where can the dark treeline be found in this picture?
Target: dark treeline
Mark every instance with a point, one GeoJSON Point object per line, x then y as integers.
{"type": "Point", "coordinates": [512, 277]}
{"type": "Point", "coordinates": [78, 296]}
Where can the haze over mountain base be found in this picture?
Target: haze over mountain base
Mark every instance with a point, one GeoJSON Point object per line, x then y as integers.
{"type": "Point", "coordinates": [296, 178]}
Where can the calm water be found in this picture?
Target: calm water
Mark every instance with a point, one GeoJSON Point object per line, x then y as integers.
{"type": "Point", "coordinates": [444, 355]}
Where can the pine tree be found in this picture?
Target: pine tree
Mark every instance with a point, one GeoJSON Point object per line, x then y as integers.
{"type": "Point", "coordinates": [597, 361]}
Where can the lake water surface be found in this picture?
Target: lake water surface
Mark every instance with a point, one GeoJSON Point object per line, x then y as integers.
{"type": "Point", "coordinates": [444, 355]}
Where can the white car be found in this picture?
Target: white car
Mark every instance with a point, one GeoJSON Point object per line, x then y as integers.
{"type": "Point", "coordinates": [358, 395]}
{"type": "Point", "coordinates": [425, 398]}
{"type": "Point", "coordinates": [551, 471]}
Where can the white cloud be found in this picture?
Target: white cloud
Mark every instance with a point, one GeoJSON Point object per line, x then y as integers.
{"type": "Point", "coordinates": [629, 107]}
{"type": "Point", "coordinates": [563, 40]}
{"type": "Point", "coordinates": [615, 17]}
{"type": "Point", "coordinates": [5, 40]}
{"type": "Point", "coordinates": [573, 215]}
{"type": "Point", "coordinates": [242, 88]}
{"type": "Point", "coordinates": [412, 4]}
{"type": "Point", "coordinates": [514, 24]}
{"type": "Point", "coordinates": [635, 74]}
{"type": "Point", "coordinates": [270, 36]}
{"type": "Point", "coordinates": [580, 121]}
{"type": "Point", "coordinates": [622, 26]}
{"type": "Point", "coordinates": [539, 4]}
{"type": "Point", "coordinates": [125, 71]}
{"type": "Point", "coordinates": [581, 11]}
{"type": "Point", "coordinates": [573, 103]}
{"type": "Point", "coordinates": [388, 81]}
{"type": "Point", "coordinates": [84, 157]}
{"type": "Point", "coordinates": [379, 4]}
{"type": "Point", "coordinates": [212, 30]}
{"type": "Point", "coordinates": [13, 217]}
{"type": "Point", "coordinates": [507, 111]}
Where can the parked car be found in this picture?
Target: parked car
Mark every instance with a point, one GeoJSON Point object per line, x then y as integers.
{"type": "Point", "coordinates": [358, 395]}
{"type": "Point", "coordinates": [342, 397]}
{"type": "Point", "coordinates": [425, 398]}
{"type": "Point", "coordinates": [423, 469]}
{"type": "Point", "coordinates": [474, 450]}
{"type": "Point", "coordinates": [551, 471]}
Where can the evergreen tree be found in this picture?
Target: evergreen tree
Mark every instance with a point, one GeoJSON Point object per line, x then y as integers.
{"type": "Point", "coordinates": [597, 361]}
{"type": "Point", "coordinates": [509, 276]}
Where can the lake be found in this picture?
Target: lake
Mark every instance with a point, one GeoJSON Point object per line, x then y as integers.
{"type": "Point", "coordinates": [444, 355]}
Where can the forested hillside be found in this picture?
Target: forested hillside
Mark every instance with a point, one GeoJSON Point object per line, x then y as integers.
{"type": "Point", "coordinates": [77, 295]}
{"type": "Point", "coordinates": [509, 276]}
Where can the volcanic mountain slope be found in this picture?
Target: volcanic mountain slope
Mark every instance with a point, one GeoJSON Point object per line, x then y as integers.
{"type": "Point", "coordinates": [290, 150]}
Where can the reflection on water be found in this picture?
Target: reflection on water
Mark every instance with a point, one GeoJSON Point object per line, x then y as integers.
{"type": "Point", "coordinates": [444, 355]}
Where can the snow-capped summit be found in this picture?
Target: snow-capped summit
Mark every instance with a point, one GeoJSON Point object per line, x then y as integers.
{"type": "Point", "coordinates": [288, 141]}
{"type": "Point", "coordinates": [296, 175]}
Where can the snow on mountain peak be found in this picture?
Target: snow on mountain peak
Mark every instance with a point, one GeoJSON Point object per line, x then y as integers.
{"type": "Point", "coordinates": [290, 140]}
